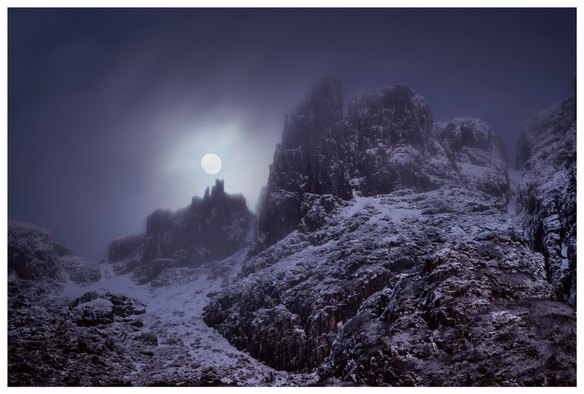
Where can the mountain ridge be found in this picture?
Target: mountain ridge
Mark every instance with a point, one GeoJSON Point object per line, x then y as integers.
{"type": "Point", "coordinates": [384, 252]}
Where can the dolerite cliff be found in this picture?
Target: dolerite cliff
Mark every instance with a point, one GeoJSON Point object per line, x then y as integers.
{"type": "Point", "coordinates": [391, 143]}
{"type": "Point", "coordinates": [308, 163]}
{"type": "Point", "coordinates": [387, 142]}
{"type": "Point", "coordinates": [546, 201]}
{"type": "Point", "coordinates": [210, 228]}
{"type": "Point", "coordinates": [403, 266]}
{"type": "Point", "coordinates": [35, 258]}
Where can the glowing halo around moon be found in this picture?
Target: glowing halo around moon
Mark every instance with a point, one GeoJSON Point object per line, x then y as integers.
{"type": "Point", "coordinates": [211, 163]}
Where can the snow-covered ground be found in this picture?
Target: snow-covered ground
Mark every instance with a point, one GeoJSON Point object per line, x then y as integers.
{"type": "Point", "coordinates": [395, 212]}
{"type": "Point", "coordinates": [173, 314]}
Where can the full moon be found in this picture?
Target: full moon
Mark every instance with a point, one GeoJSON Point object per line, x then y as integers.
{"type": "Point", "coordinates": [211, 163]}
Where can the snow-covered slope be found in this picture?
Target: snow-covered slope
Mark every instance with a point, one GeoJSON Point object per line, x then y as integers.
{"type": "Point", "coordinates": [386, 142]}
{"type": "Point", "coordinates": [515, 178]}
{"type": "Point", "coordinates": [423, 278]}
{"type": "Point", "coordinates": [155, 336]}
{"type": "Point", "coordinates": [403, 289]}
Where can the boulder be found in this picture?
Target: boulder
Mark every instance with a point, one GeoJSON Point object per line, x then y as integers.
{"type": "Point", "coordinates": [94, 308]}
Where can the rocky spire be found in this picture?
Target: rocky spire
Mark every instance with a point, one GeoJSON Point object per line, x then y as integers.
{"type": "Point", "coordinates": [307, 162]}
{"type": "Point", "coordinates": [211, 228]}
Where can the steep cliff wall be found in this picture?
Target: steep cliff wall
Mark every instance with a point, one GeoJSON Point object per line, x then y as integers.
{"type": "Point", "coordinates": [387, 142]}
{"type": "Point", "coordinates": [546, 201]}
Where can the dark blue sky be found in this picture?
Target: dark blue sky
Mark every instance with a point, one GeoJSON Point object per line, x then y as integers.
{"type": "Point", "coordinates": [111, 110]}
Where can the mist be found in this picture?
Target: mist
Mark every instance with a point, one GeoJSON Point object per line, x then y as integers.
{"type": "Point", "coordinates": [111, 110]}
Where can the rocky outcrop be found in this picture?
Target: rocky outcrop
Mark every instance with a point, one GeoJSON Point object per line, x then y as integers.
{"type": "Point", "coordinates": [392, 144]}
{"type": "Point", "coordinates": [169, 345]}
{"type": "Point", "coordinates": [31, 253]}
{"type": "Point", "coordinates": [79, 270]}
{"type": "Point", "coordinates": [477, 155]}
{"type": "Point", "coordinates": [31, 290]}
{"type": "Point", "coordinates": [404, 290]}
{"type": "Point", "coordinates": [422, 279]}
{"type": "Point", "coordinates": [211, 228]}
{"type": "Point", "coordinates": [546, 202]}
{"type": "Point", "coordinates": [34, 256]}
{"type": "Point", "coordinates": [127, 249]}
{"type": "Point", "coordinates": [384, 255]}
{"type": "Point", "coordinates": [309, 160]}
{"type": "Point", "coordinates": [387, 142]}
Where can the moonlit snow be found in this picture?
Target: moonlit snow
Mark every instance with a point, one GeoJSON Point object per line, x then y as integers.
{"type": "Point", "coordinates": [174, 310]}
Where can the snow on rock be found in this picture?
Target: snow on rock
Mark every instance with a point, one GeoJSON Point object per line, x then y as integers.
{"type": "Point", "coordinates": [94, 312]}
{"type": "Point", "coordinates": [386, 273]}
{"type": "Point", "coordinates": [546, 196]}
{"type": "Point", "coordinates": [115, 332]}
{"type": "Point", "coordinates": [34, 256]}
{"type": "Point", "coordinates": [478, 155]}
{"type": "Point", "coordinates": [423, 278]}
{"type": "Point", "coordinates": [79, 269]}
{"type": "Point", "coordinates": [386, 142]}
{"type": "Point", "coordinates": [386, 252]}
{"type": "Point", "coordinates": [31, 253]}
{"type": "Point", "coordinates": [309, 160]}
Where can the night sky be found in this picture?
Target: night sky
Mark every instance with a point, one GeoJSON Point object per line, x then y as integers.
{"type": "Point", "coordinates": [111, 110]}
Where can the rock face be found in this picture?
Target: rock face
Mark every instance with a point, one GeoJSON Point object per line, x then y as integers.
{"type": "Point", "coordinates": [126, 248]}
{"type": "Point", "coordinates": [308, 161]}
{"type": "Point", "coordinates": [211, 228]}
{"type": "Point", "coordinates": [404, 290]}
{"type": "Point", "coordinates": [79, 270]}
{"type": "Point", "coordinates": [546, 202]}
{"type": "Point", "coordinates": [422, 279]}
{"type": "Point", "coordinates": [478, 156]}
{"type": "Point", "coordinates": [31, 253]}
{"type": "Point", "coordinates": [103, 338]}
{"type": "Point", "coordinates": [95, 308]}
{"type": "Point", "coordinates": [84, 342]}
{"type": "Point", "coordinates": [34, 256]}
{"type": "Point", "coordinates": [388, 134]}
{"type": "Point", "coordinates": [387, 142]}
